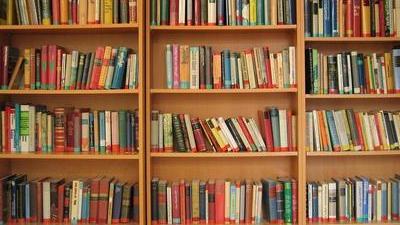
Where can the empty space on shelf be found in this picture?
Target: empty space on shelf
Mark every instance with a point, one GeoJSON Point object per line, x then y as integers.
{"type": "Point", "coordinates": [276, 41]}
{"type": "Point", "coordinates": [207, 168]}
{"type": "Point", "coordinates": [357, 104]}
{"type": "Point", "coordinates": [70, 169]}
{"type": "Point", "coordinates": [324, 168]}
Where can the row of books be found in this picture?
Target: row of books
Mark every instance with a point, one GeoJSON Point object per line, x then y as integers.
{"type": "Point", "coordinates": [224, 201]}
{"type": "Point", "coordinates": [30, 128]}
{"type": "Point", "coordinates": [357, 199]}
{"type": "Point", "coordinates": [47, 12]}
{"type": "Point", "coordinates": [198, 67]}
{"type": "Point", "coordinates": [179, 133]}
{"type": "Point", "coordinates": [352, 18]}
{"type": "Point", "coordinates": [352, 72]}
{"type": "Point", "coordinates": [53, 67]}
{"type": "Point", "coordinates": [223, 12]}
{"type": "Point", "coordinates": [346, 130]}
{"type": "Point", "coordinates": [100, 200]}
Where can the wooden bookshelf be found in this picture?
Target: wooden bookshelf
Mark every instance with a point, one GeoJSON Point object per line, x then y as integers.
{"type": "Point", "coordinates": [85, 38]}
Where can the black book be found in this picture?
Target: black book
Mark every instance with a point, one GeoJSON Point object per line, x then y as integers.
{"type": "Point", "coordinates": [4, 204]}
{"type": "Point", "coordinates": [389, 130]}
{"type": "Point", "coordinates": [154, 200]}
{"type": "Point", "coordinates": [14, 194]}
{"type": "Point", "coordinates": [346, 72]}
{"type": "Point", "coordinates": [21, 201]}
{"type": "Point", "coordinates": [79, 75]}
{"type": "Point", "coordinates": [179, 142]}
{"type": "Point", "coordinates": [86, 70]}
{"type": "Point", "coordinates": [307, 18]}
{"type": "Point", "coordinates": [332, 75]}
{"type": "Point", "coordinates": [308, 67]}
{"type": "Point", "coordinates": [372, 17]}
{"type": "Point", "coordinates": [235, 135]}
{"type": "Point", "coordinates": [202, 68]}
{"type": "Point", "coordinates": [208, 68]}
{"type": "Point", "coordinates": [202, 200]}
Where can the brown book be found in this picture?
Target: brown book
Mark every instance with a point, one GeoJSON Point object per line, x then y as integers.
{"type": "Point", "coordinates": [103, 200]}
{"type": "Point", "coordinates": [249, 201]}
{"type": "Point", "coordinates": [16, 75]}
{"type": "Point", "coordinates": [210, 137]}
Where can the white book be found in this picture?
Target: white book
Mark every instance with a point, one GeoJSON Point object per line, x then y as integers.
{"type": "Point", "coordinates": [325, 209]}
{"type": "Point", "coordinates": [241, 134]}
{"type": "Point", "coordinates": [279, 69]}
{"type": "Point", "coordinates": [258, 134]}
{"type": "Point", "coordinates": [160, 131]}
{"type": "Point", "coordinates": [182, 10]}
{"type": "Point", "coordinates": [227, 134]}
{"type": "Point", "coordinates": [74, 202]}
{"type": "Point", "coordinates": [169, 205]}
{"type": "Point", "coordinates": [80, 200]}
{"type": "Point", "coordinates": [46, 200]}
{"type": "Point", "coordinates": [374, 131]}
{"type": "Point", "coordinates": [68, 71]}
{"type": "Point", "coordinates": [246, 13]}
{"type": "Point", "coordinates": [316, 131]}
{"type": "Point", "coordinates": [273, 68]}
{"type": "Point", "coordinates": [368, 132]}
{"type": "Point", "coordinates": [254, 205]}
{"type": "Point", "coordinates": [234, 80]}
{"type": "Point", "coordinates": [292, 65]}
{"type": "Point", "coordinates": [250, 71]}
{"type": "Point", "coordinates": [97, 10]}
{"type": "Point", "coordinates": [252, 134]}
{"type": "Point", "coordinates": [283, 129]}
{"type": "Point", "coordinates": [309, 201]}
{"type": "Point", "coordinates": [340, 72]}
{"type": "Point", "coordinates": [332, 205]}
{"type": "Point", "coordinates": [320, 202]}
{"type": "Point", "coordinates": [240, 75]}
{"type": "Point", "coordinates": [259, 203]}
{"type": "Point", "coordinates": [227, 198]}
{"type": "Point", "coordinates": [340, 130]}
{"type": "Point", "coordinates": [189, 129]}
{"type": "Point", "coordinates": [383, 72]}
{"type": "Point", "coordinates": [212, 12]}
{"type": "Point", "coordinates": [206, 203]}
{"type": "Point", "coordinates": [107, 115]}
{"type": "Point", "coordinates": [133, 72]}
{"type": "Point", "coordinates": [237, 204]}
{"type": "Point", "coordinates": [194, 67]}
{"type": "Point", "coordinates": [257, 67]}
{"type": "Point", "coordinates": [189, 11]}
{"type": "Point", "coordinates": [32, 128]}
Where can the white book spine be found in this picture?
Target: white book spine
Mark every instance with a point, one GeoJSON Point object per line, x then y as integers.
{"type": "Point", "coordinates": [74, 202]}
{"type": "Point", "coordinates": [374, 132]}
{"type": "Point", "coordinates": [283, 128]}
{"type": "Point", "coordinates": [309, 201]}
{"type": "Point", "coordinates": [252, 134]}
{"type": "Point", "coordinates": [240, 75]}
{"type": "Point", "coordinates": [182, 10]}
{"type": "Point", "coordinates": [227, 134]}
{"type": "Point", "coordinates": [108, 129]}
{"type": "Point", "coordinates": [212, 12]}
{"type": "Point", "coordinates": [160, 131]}
{"type": "Point", "coordinates": [194, 67]}
{"type": "Point", "coordinates": [227, 198]}
{"type": "Point", "coordinates": [133, 72]}
{"type": "Point", "coordinates": [316, 131]}
{"type": "Point", "coordinates": [258, 134]}
{"type": "Point", "coordinates": [169, 205]}
{"type": "Point", "coordinates": [241, 134]}
{"type": "Point", "coordinates": [340, 72]}
{"type": "Point", "coordinates": [206, 203]}
{"type": "Point", "coordinates": [80, 200]}
{"type": "Point", "coordinates": [383, 73]}
{"type": "Point", "coordinates": [234, 80]}
{"type": "Point", "coordinates": [250, 71]}
{"type": "Point", "coordinates": [368, 134]}
{"type": "Point", "coordinates": [320, 201]}
{"type": "Point", "coordinates": [237, 212]}
{"type": "Point", "coordinates": [254, 205]}
{"type": "Point", "coordinates": [46, 201]}
{"type": "Point", "coordinates": [189, 129]}
{"type": "Point", "coordinates": [273, 69]}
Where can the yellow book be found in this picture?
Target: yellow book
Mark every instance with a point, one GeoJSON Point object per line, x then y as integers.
{"type": "Point", "coordinates": [215, 133]}
{"type": "Point", "coordinates": [104, 67]}
{"type": "Point", "coordinates": [274, 12]}
{"type": "Point", "coordinates": [382, 133]}
{"type": "Point", "coordinates": [63, 11]}
{"type": "Point", "coordinates": [367, 142]}
{"type": "Point", "coordinates": [220, 133]}
{"type": "Point", "coordinates": [365, 20]}
{"type": "Point", "coordinates": [389, 72]}
{"type": "Point", "coordinates": [83, 11]}
{"type": "Point", "coordinates": [27, 68]}
{"type": "Point", "coordinates": [341, 16]}
{"type": "Point", "coordinates": [184, 56]}
{"type": "Point", "coordinates": [108, 11]}
{"type": "Point", "coordinates": [253, 12]}
{"type": "Point", "coordinates": [91, 11]}
{"type": "Point", "coordinates": [10, 12]}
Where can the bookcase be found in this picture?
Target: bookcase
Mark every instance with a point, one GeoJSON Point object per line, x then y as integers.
{"type": "Point", "coordinates": [85, 38]}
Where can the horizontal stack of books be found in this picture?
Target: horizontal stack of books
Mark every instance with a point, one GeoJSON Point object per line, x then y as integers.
{"type": "Point", "coordinates": [179, 133]}
{"type": "Point", "coordinates": [352, 18]}
{"type": "Point", "coordinates": [30, 128]}
{"type": "Point", "coordinates": [352, 72]}
{"type": "Point", "coordinates": [346, 130]}
{"type": "Point", "coordinates": [199, 67]}
{"type": "Point", "coordinates": [221, 12]}
{"type": "Point", "coordinates": [353, 200]}
{"type": "Point", "coordinates": [226, 201]}
{"type": "Point", "coordinates": [52, 67]}
{"type": "Point", "coordinates": [100, 200]}
{"type": "Point", "coordinates": [48, 12]}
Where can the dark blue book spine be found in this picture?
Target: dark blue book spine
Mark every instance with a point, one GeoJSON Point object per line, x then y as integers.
{"type": "Point", "coordinates": [361, 72]}
{"type": "Point", "coordinates": [365, 199]}
{"type": "Point", "coordinates": [315, 200]}
{"type": "Point", "coordinates": [227, 69]}
{"type": "Point", "coordinates": [120, 67]}
{"type": "Point", "coordinates": [128, 132]}
{"type": "Point", "coordinates": [202, 203]}
{"type": "Point", "coordinates": [307, 18]}
{"type": "Point", "coordinates": [334, 16]}
{"type": "Point", "coordinates": [327, 19]}
{"type": "Point", "coordinates": [239, 18]}
{"type": "Point", "coordinates": [272, 202]}
{"type": "Point", "coordinates": [220, 12]}
{"type": "Point", "coordinates": [293, 11]}
{"type": "Point", "coordinates": [116, 212]}
{"type": "Point", "coordinates": [260, 13]}
{"type": "Point", "coordinates": [91, 130]}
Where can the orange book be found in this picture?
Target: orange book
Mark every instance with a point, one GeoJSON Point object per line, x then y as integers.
{"type": "Point", "coordinates": [349, 18]}
{"type": "Point", "coordinates": [359, 130]}
{"type": "Point", "coordinates": [322, 129]}
{"type": "Point", "coordinates": [63, 11]}
{"type": "Point", "coordinates": [217, 70]}
{"type": "Point", "coordinates": [184, 59]}
{"type": "Point", "coordinates": [104, 67]}
{"type": "Point", "coordinates": [365, 18]}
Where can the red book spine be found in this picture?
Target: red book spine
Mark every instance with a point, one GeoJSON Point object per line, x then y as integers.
{"type": "Point", "coordinates": [182, 201]}
{"type": "Point", "coordinates": [379, 129]}
{"type": "Point", "coordinates": [268, 132]}
{"type": "Point", "coordinates": [59, 129]}
{"type": "Point", "coordinates": [44, 70]}
{"type": "Point", "coordinates": [70, 132]}
{"type": "Point", "coordinates": [98, 60]}
{"type": "Point", "coordinates": [210, 136]}
{"type": "Point", "coordinates": [3, 66]}
{"type": "Point", "coordinates": [349, 19]}
{"type": "Point", "coordinates": [103, 201]}
{"type": "Point", "coordinates": [52, 66]}
{"type": "Point", "coordinates": [211, 202]}
{"type": "Point", "coordinates": [60, 202]}
{"type": "Point", "coordinates": [249, 202]}
{"type": "Point", "coordinates": [267, 67]}
{"type": "Point", "coordinates": [33, 68]}
{"type": "Point", "coordinates": [245, 131]}
{"type": "Point", "coordinates": [7, 113]}
{"type": "Point", "coordinates": [197, 12]}
{"type": "Point", "coordinates": [381, 18]}
{"type": "Point", "coordinates": [58, 69]}
{"type": "Point", "coordinates": [175, 203]}
{"type": "Point", "coordinates": [56, 12]}
{"type": "Point", "coordinates": [198, 136]}
{"type": "Point", "coordinates": [94, 201]}
{"type": "Point", "coordinates": [74, 12]}
{"type": "Point", "coordinates": [173, 12]}
{"type": "Point", "coordinates": [294, 201]}
{"type": "Point", "coordinates": [219, 202]}
{"type": "Point", "coordinates": [356, 18]}
{"type": "Point", "coordinates": [359, 131]}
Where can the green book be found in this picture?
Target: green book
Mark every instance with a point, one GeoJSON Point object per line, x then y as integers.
{"type": "Point", "coordinates": [74, 69]}
{"type": "Point", "coordinates": [315, 71]}
{"type": "Point", "coordinates": [287, 201]}
{"type": "Point", "coordinates": [80, 71]}
{"type": "Point", "coordinates": [122, 130]}
{"type": "Point", "coordinates": [168, 140]}
{"type": "Point", "coordinates": [153, 10]}
{"type": "Point", "coordinates": [44, 132]}
{"type": "Point", "coordinates": [17, 127]}
{"type": "Point", "coordinates": [179, 142]}
{"type": "Point", "coordinates": [164, 12]}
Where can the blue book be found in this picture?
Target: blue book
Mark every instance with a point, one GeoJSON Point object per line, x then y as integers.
{"type": "Point", "coordinates": [275, 127]}
{"type": "Point", "coordinates": [227, 69]}
{"type": "Point", "coordinates": [332, 130]}
{"type": "Point", "coordinates": [396, 68]}
{"type": "Point", "coordinates": [120, 68]}
{"type": "Point", "coordinates": [384, 200]}
{"type": "Point", "coordinates": [395, 197]}
{"type": "Point", "coordinates": [334, 13]}
{"type": "Point", "coordinates": [91, 130]}
{"type": "Point", "coordinates": [117, 204]}
{"type": "Point", "coordinates": [102, 133]}
{"type": "Point", "coordinates": [365, 198]}
{"type": "Point", "coordinates": [260, 12]}
{"type": "Point", "coordinates": [238, 12]}
{"type": "Point", "coordinates": [220, 12]}
{"type": "Point", "coordinates": [85, 204]}
{"type": "Point", "coordinates": [327, 18]}
{"type": "Point", "coordinates": [128, 132]}
{"type": "Point", "coordinates": [361, 72]}
{"type": "Point", "coordinates": [315, 200]}
{"type": "Point", "coordinates": [17, 127]}
{"type": "Point", "coordinates": [168, 65]}
{"type": "Point", "coordinates": [269, 202]}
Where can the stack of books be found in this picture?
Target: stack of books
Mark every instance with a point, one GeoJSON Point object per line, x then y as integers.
{"type": "Point", "coordinates": [172, 132]}
{"type": "Point", "coordinates": [30, 128]}
{"type": "Point", "coordinates": [199, 67]}
{"type": "Point", "coordinates": [352, 72]}
{"type": "Point", "coordinates": [51, 67]}
{"type": "Point", "coordinates": [226, 201]}
{"type": "Point", "coordinates": [100, 200]}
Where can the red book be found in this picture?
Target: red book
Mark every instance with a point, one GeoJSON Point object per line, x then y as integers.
{"type": "Point", "coordinates": [349, 18]}
{"type": "Point", "coordinates": [7, 143]}
{"type": "Point", "coordinates": [197, 12]}
{"type": "Point", "coordinates": [56, 11]}
{"type": "Point", "coordinates": [52, 66]}
{"type": "Point", "coordinates": [173, 12]}
{"type": "Point", "coordinates": [356, 18]}
{"type": "Point", "coordinates": [198, 136]}
{"type": "Point", "coordinates": [58, 68]}
{"type": "Point", "coordinates": [379, 130]}
{"type": "Point", "coordinates": [98, 60]}
{"type": "Point", "coordinates": [289, 130]}
{"type": "Point", "coordinates": [44, 70]}
{"type": "Point", "coordinates": [211, 201]}
{"type": "Point", "coordinates": [210, 136]}
{"type": "Point", "coordinates": [182, 201]}
{"type": "Point", "coordinates": [175, 203]}
{"type": "Point", "coordinates": [33, 68]}
{"type": "Point", "coordinates": [381, 18]}
{"type": "Point", "coordinates": [94, 199]}
{"type": "Point", "coordinates": [59, 129]}
{"type": "Point", "coordinates": [245, 131]}
{"type": "Point", "coordinates": [70, 132]}
{"type": "Point", "coordinates": [60, 202]}
{"type": "Point", "coordinates": [74, 12]}
{"type": "Point", "coordinates": [268, 130]}
{"type": "Point", "coordinates": [249, 202]}
{"type": "Point", "coordinates": [359, 132]}
{"type": "Point", "coordinates": [103, 200]}
{"type": "Point", "coordinates": [220, 202]}
{"type": "Point", "coordinates": [294, 201]}
{"type": "Point", "coordinates": [267, 67]}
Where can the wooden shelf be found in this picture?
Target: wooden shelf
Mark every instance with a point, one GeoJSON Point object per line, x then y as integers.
{"type": "Point", "coordinates": [86, 156]}
{"type": "Point", "coordinates": [70, 92]}
{"type": "Point", "coordinates": [220, 155]}
{"type": "Point", "coordinates": [224, 28]}
{"type": "Point", "coordinates": [351, 39]}
{"type": "Point", "coordinates": [352, 96]}
{"type": "Point", "coordinates": [76, 28]}
{"type": "Point", "coordinates": [222, 91]}
{"type": "Point", "coordinates": [355, 153]}
{"type": "Point", "coordinates": [347, 223]}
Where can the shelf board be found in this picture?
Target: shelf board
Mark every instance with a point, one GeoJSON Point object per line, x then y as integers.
{"type": "Point", "coordinates": [355, 223]}
{"type": "Point", "coordinates": [76, 28]}
{"type": "Point", "coordinates": [355, 153]}
{"type": "Point", "coordinates": [351, 39]}
{"type": "Point", "coordinates": [220, 155]}
{"type": "Point", "coordinates": [64, 155]}
{"type": "Point", "coordinates": [222, 91]}
{"type": "Point", "coordinates": [224, 28]}
{"type": "Point", "coordinates": [69, 92]}
{"type": "Point", "coordinates": [351, 96]}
